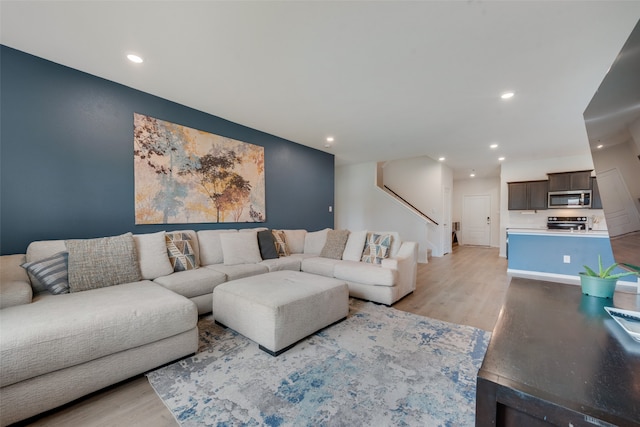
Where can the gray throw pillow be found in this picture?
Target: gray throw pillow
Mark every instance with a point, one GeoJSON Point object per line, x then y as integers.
{"type": "Point", "coordinates": [51, 272]}
{"type": "Point", "coordinates": [106, 261]}
{"type": "Point", "coordinates": [267, 245]}
{"type": "Point", "coordinates": [336, 241]}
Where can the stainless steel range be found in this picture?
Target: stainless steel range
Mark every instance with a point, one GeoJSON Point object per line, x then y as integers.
{"type": "Point", "coordinates": [567, 222]}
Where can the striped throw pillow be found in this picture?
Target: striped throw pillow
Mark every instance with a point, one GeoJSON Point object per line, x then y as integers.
{"type": "Point", "coordinates": [52, 272]}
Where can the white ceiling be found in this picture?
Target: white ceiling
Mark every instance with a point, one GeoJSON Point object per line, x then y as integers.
{"type": "Point", "coordinates": [387, 79]}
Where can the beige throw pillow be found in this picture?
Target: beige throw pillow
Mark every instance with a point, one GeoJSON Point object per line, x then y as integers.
{"type": "Point", "coordinates": [106, 261]}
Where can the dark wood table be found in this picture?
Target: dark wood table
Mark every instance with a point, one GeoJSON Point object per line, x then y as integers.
{"type": "Point", "coordinates": [557, 358]}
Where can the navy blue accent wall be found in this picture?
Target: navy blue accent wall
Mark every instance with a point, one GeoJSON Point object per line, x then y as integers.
{"type": "Point", "coordinates": [66, 158]}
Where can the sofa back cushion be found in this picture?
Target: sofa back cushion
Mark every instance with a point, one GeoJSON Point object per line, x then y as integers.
{"type": "Point", "coordinates": [295, 240]}
{"type": "Point", "coordinates": [355, 246]}
{"type": "Point", "coordinates": [102, 262]}
{"type": "Point", "coordinates": [152, 255]}
{"type": "Point", "coordinates": [210, 246]}
{"type": "Point", "coordinates": [240, 248]}
{"type": "Point", "coordinates": [314, 241]}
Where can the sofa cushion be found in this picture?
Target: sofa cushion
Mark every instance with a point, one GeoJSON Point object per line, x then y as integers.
{"type": "Point", "coordinates": [152, 255]}
{"type": "Point", "coordinates": [239, 271]}
{"type": "Point", "coordinates": [70, 329]}
{"type": "Point", "coordinates": [181, 251]}
{"type": "Point", "coordinates": [283, 263]}
{"type": "Point", "coordinates": [267, 245]}
{"type": "Point", "coordinates": [336, 241]}
{"type": "Point", "coordinates": [210, 246]}
{"type": "Point", "coordinates": [281, 242]}
{"type": "Point", "coordinates": [42, 249]}
{"type": "Point", "coordinates": [101, 262]}
{"type": "Point", "coordinates": [315, 241]}
{"type": "Point", "coordinates": [320, 266]}
{"type": "Point", "coordinates": [240, 248]}
{"type": "Point", "coordinates": [51, 272]}
{"type": "Point", "coordinates": [295, 240]}
{"type": "Point", "coordinates": [192, 283]}
{"type": "Point", "coordinates": [355, 246]}
{"type": "Point", "coordinates": [367, 274]}
{"type": "Point", "coordinates": [15, 288]}
{"type": "Point", "coordinates": [377, 248]}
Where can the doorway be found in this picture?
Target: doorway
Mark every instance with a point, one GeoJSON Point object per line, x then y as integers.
{"type": "Point", "coordinates": [476, 220]}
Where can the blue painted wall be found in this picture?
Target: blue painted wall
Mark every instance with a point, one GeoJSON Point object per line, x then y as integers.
{"type": "Point", "coordinates": [545, 253]}
{"type": "Point", "coordinates": [66, 158]}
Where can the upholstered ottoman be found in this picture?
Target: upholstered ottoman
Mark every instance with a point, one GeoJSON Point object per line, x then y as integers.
{"type": "Point", "coordinates": [280, 308]}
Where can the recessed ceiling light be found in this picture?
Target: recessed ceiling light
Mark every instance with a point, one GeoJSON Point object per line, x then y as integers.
{"type": "Point", "coordinates": [507, 95]}
{"type": "Point", "coordinates": [599, 146]}
{"type": "Point", "coordinates": [493, 146]}
{"type": "Point", "coordinates": [472, 175]}
{"type": "Point", "coordinates": [441, 159]}
{"type": "Point", "coordinates": [134, 58]}
{"type": "Point", "coordinates": [329, 139]}
{"type": "Point", "coordinates": [500, 159]}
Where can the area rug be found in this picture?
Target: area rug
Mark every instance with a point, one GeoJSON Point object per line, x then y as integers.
{"type": "Point", "coordinates": [379, 367]}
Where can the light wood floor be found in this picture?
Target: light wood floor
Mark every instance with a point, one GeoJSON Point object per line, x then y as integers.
{"type": "Point", "coordinates": [465, 287]}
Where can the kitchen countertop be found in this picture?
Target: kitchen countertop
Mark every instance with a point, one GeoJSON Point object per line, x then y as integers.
{"type": "Point", "coordinates": [544, 231]}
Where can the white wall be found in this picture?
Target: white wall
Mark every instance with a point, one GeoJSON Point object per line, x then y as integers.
{"type": "Point", "coordinates": [361, 205]}
{"type": "Point", "coordinates": [478, 187]}
{"type": "Point", "coordinates": [532, 170]}
{"type": "Point", "coordinates": [420, 181]}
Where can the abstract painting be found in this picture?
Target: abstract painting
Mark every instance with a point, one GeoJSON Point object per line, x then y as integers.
{"type": "Point", "coordinates": [185, 175]}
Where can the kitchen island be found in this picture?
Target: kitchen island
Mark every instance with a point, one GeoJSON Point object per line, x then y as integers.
{"type": "Point", "coordinates": [559, 255]}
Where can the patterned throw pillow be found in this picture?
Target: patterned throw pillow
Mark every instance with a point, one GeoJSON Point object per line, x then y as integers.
{"type": "Point", "coordinates": [180, 251]}
{"type": "Point", "coordinates": [281, 243]}
{"type": "Point", "coordinates": [106, 261]}
{"type": "Point", "coordinates": [51, 272]}
{"type": "Point", "coordinates": [376, 248]}
{"type": "Point", "coordinates": [336, 241]}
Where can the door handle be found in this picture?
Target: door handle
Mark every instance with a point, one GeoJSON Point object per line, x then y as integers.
{"type": "Point", "coordinates": [488, 220]}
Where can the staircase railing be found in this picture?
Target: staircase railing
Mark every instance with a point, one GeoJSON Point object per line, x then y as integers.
{"type": "Point", "coordinates": [410, 205]}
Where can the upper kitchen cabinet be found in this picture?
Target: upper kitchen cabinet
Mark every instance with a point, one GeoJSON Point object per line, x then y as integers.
{"type": "Point", "coordinates": [528, 195]}
{"type": "Point", "coordinates": [567, 181]}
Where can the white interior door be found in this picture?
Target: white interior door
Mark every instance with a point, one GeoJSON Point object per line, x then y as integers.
{"type": "Point", "coordinates": [619, 209]}
{"type": "Point", "coordinates": [446, 219]}
{"type": "Point", "coordinates": [476, 220]}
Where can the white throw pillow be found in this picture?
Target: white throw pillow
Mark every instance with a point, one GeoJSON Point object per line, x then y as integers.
{"type": "Point", "coordinates": [355, 246]}
{"type": "Point", "coordinates": [295, 240]}
{"type": "Point", "coordinates": [315, 241]}
{"type": "Point", "coordinates": [152, 255]}
{"type": "Point", "coordinates": [210, 246]}
{"type": "Point", "coordinates": [240, 248]}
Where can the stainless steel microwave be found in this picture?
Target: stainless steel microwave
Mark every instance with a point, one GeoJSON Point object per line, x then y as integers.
{"type": "Point", "coordinates": [569, 199]}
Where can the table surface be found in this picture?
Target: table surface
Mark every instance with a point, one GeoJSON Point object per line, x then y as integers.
{"type": "Point", "coordinates": [553, 343]}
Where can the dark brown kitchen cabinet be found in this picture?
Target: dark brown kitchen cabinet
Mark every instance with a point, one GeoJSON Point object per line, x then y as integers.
{"type": "Point", "coordinates": [596, 202]}
{"type": "Point", "coordinates": [528, 195]}
{"type": "Point", "coordinates": [566, 181]}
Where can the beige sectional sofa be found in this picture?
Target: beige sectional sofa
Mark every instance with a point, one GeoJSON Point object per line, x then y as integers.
{"type": "Point", "coordinates": [57, 348]}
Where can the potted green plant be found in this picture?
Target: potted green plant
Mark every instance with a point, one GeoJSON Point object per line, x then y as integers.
{"type": "Point", "coordinates": [601, 284]}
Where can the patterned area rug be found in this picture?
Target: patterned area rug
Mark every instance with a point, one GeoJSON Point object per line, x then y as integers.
{"type": "Point", "coordinates": [379, 367]}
